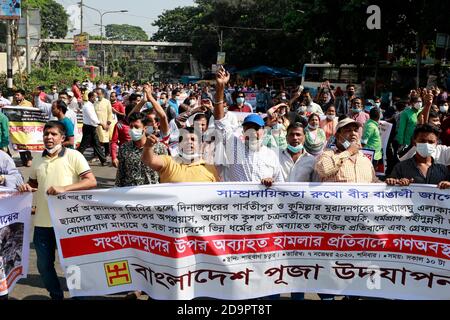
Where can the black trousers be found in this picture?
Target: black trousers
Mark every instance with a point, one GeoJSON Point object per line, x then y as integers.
{"type": "Point", "coordinates": [90, 138]}
{"type": "Point", "coordinates": [106, 147]}
{"type": "Point", "coordinates": [25, 157]}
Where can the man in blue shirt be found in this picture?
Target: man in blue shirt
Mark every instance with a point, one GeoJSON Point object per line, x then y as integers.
{"type": "Point", "coordinates": [59, 109]}
{"type": "Point", "coordinates": [173, 102]}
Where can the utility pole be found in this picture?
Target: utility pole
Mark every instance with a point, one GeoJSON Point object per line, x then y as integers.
{"type": "Point", "coordinates": [104, 72]}
{"type": "Point", "coordinates": [9, 55]}
{"type": "Point", "coordinates": [81, 16]}
{"type": "Point", "coordinates": [28, 44]}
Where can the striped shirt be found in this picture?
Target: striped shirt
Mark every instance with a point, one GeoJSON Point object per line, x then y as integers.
{"type": "Point", "coordinates": [333, 166]}
{"type": "Point", "coordinates": [242, 164]}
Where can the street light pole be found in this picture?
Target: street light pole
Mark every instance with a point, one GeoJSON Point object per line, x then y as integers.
{"type": "Point", "coordinates": [101, 45]}
{"type": "Point", "coordinates": [104, 67]}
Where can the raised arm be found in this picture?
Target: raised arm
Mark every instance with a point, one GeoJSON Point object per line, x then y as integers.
{"type": "Point", "coordinates": [164, 122]}
{"type": "Point", "coordinates": [43, 106]}
{"type": "Point", "coordinates": [138, 107]}
{"type": "Point", "coordinates": [222, 78]}
{"type": "Point", "coordinates": [180, 121]}
{"type": "Point", "coordinates": [149, 158]}
{"type": "Point", "coordinates": [428, 103]}
{"type": "Point", "coordinates": [272, 111]}
{"type": "Point", "coordinates": [296, 96]}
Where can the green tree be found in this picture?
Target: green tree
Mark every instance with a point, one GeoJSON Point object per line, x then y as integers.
{"type": "Point", "coordinates": [53, 15]}
{"type": "Point", "coordinates": [125, 32]}
{"type": "Point", "coordinates": [177, 25]}
{"type": "Point", "coordinates": [291, 32]}
{"type": "Point", "coordinates": [253, 31]}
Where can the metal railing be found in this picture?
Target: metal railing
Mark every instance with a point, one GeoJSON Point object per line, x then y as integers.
{"type": "Point", "coordinates": [153, 56]}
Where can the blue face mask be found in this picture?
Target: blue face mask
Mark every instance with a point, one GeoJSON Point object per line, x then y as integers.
{"type": "Point", "coordinates": [296, 149]}
{"type": "Point", "coordinates": [161, 102]}
{"type": "Point", "coordinates": [240, 100]}
{"type": "Point", "coordinates": [356, 110]}
{"type": "Point", "coordinates": [368, 108]}
{"type": "Point", "coordinates": [136, 134]}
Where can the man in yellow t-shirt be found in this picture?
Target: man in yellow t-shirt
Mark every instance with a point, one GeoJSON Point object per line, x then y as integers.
{"type": "Point", "coordinates": [189, 166]}
{"type": "Point", "coordinates": [57, 171]}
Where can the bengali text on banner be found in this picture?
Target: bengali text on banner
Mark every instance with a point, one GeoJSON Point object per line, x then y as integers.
{"type": "Point", "coordinates": [242, 241]}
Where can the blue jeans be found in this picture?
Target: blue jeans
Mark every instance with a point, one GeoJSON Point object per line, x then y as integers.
{"type": "Point", "coordinates": [45, 245]}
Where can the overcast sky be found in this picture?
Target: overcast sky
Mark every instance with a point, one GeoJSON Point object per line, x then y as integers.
{"type": "Point", "coordinates": [140, 12]}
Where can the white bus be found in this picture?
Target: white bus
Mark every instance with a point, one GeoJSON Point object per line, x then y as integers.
{"type": "Point", "coordinates": [313, 76]}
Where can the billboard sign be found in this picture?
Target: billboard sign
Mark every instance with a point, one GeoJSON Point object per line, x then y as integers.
{"type": "Point", "coordinates": [81, 47]}
{"type": "Point", "coordinates": [10, 9]}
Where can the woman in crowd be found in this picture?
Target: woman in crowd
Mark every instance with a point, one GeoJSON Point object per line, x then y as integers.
{"type": "Point", "coordinates": [315, 137]}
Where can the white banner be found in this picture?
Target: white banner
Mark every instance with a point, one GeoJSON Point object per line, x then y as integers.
{"type": "Point", "coordinates": [242, 241]}
{"type": "Point", "coordinates": [15, 222]}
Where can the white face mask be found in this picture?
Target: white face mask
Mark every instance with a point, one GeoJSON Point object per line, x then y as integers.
{"type": "Point", "coordinates": [425, 149]}
{"type": "Point", "coordinates": [443, 108]}
{"type": "Point", "coordinates": [254, 145]}
{"type": "Point", "coordinates": [54, 150]}
{"type": "Point", "coordinates": [346, 144]}
{"type": "Point", "coordinates": [136, 134]}
{"type": "Point", "coordinates": [331, 117]}
{"type": "Point", "coordinates": [190, 157]}
{"type": "Point", "coordinates": [302, 109]}
{"type": "Point", "coordinates": [417, 105]}
{"type": "Point", "coordinates": [192, 102]}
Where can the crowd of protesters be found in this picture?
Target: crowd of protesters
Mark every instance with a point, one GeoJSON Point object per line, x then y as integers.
{"type": "Point", "coordinates": [172, 133]}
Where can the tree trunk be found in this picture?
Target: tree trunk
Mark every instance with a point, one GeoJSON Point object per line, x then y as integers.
{"type": "Point", "coordinates": [376, 75]}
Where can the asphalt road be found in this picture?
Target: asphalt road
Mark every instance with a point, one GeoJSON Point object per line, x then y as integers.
{"type": "Point", "coordinates": [32, 288]}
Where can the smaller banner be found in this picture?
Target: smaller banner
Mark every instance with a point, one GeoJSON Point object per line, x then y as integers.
{"type": "Point", "coordinates": [26, 128]}
{"type": "Point", "coordinates": [15, 222]}
{"type": "Point", "coordinates": [221, 58]}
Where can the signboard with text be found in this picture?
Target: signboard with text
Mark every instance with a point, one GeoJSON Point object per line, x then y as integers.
{"type": "Point", "coordinates": [81, 47]}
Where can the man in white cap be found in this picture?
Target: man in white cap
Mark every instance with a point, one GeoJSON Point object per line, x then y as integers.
{"type": "Point", "coordinates": [73, 102]}
{"type": "Point", "coordinates": [345, 162]}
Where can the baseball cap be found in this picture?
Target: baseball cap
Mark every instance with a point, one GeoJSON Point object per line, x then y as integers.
{"type": "Point", "coordinates": [255, 119]}
{"type": "Point", "coordinates": [347, 121]}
